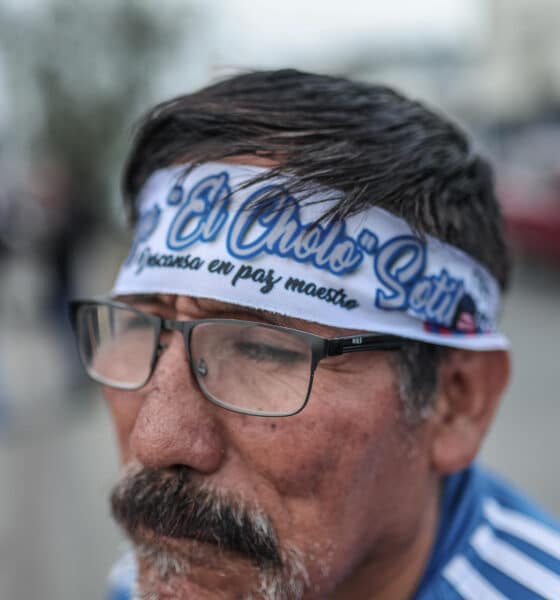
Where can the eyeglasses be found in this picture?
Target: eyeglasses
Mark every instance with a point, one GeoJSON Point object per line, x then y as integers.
{"type": "Point", "coordinates": [242, 366]}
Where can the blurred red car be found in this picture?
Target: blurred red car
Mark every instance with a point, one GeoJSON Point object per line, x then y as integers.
{"type": "Point", "coordinates": [533, 224]}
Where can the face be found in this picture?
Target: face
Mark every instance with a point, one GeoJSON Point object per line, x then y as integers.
{"type": "Point", "coordinates": [343, 488]}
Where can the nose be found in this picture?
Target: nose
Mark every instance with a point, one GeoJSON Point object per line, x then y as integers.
{"type": "Point", "coordinates": [175, 423]}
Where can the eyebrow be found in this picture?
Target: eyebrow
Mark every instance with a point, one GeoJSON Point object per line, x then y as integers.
{"type": "Point", "coordinates": [259, 314]}
{"type": "Point", "coordinates": [156, 300]}
{"type": "Point", "coordinates": [274, 318]}
{"type": "Point", "coordinates": [139, 299]}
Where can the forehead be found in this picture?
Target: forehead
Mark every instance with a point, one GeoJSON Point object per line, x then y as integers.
{"type": "Point", "coordinates": [200, 308]}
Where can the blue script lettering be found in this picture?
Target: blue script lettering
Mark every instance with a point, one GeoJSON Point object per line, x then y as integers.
{"type": "Point", "coordinates": [398, 262]}
{"type": "Point", "coordinates": [436, 297]}
{"type": "Point", "coordinates": [400, 265]}
{"type": "Point", "coordinates": [202, 215]}
{"type": "Point", "coordinates": [276, 229]}
{"type": "Point", "coordinates": [146, 225]}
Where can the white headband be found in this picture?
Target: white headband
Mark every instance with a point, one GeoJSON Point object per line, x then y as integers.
{"type": "Point", "coordinates": [202, 236]}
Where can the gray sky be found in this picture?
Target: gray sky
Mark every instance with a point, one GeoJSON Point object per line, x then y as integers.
{"type": "Point", "coordinates": [316, 35]}
{"type": "Point", "coordinates": [269, 33]}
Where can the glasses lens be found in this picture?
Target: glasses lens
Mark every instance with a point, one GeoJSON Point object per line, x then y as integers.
{"type": "Point", "coordinates": [116, 344]}
{"type": "Point", "coordinates": [255, 368]}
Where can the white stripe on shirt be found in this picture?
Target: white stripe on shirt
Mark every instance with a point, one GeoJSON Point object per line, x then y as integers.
{"type": "Point", "coordinates": [521, 526]}
{"type": "Point", "coordinates": [515, 564]}
{"type": "Point", "coordinates": [470, 584]}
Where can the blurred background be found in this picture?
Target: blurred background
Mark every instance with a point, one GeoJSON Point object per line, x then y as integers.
{"type": "Point", "coordinates": [74, 76]}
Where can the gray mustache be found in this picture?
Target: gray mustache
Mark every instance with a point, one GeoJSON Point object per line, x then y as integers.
{"type": "Point", "coordinates": [171, 503]}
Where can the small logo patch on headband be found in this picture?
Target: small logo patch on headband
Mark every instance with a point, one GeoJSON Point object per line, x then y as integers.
{"type": "Point", "coordinates": [260, 246]}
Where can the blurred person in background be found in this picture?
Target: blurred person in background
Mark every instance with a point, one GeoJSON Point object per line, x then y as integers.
{"type": "Point", "coordinates": [6, 203]}
{"type": "Point", "coordinates": [66, 223]}
{"type": "Point", "coordinates": [301, 354]}
{"type": "Point", "coordinates": [41, 227]}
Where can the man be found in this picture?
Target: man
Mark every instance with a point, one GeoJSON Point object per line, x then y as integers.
{"type": "Point", "coordinates": [300, 353]}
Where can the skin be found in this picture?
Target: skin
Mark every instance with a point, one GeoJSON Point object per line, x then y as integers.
{"type": "Point", "coordinates": [347, 481]}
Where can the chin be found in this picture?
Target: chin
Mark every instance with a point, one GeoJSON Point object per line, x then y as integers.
{"type": "Point", "coordinates": [190, 570]}
{"type": "Point", "coordinates": [178, 590]}
{"type": "Point", "coordinates": [193, 571]}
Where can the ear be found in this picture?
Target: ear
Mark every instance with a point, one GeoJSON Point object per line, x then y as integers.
{"type": "Point", "coordinates": [470, 387]}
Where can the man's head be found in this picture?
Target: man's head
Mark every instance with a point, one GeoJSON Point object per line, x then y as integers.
{"type": "Point", "coordinates": [341, 499]}
{"type": "Point", "coordinates": [377, 147]}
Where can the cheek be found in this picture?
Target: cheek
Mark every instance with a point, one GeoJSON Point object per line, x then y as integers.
{"type": "Point", "coordinates": [335, 470]}
{"type": "Point", "coordinates": [339, 438]}
{"type": "Point", "coordinates": [124, 408]}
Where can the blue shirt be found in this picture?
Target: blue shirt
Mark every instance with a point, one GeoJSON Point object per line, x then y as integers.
{"type": "Point", "coordinates": [493, 543]}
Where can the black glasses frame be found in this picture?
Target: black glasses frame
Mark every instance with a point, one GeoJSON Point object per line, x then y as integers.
{"type": "Point", "coordinates": [321, 347]}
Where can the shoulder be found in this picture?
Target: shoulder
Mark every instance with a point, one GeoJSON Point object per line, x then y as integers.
{"type": "Point", "coordinates": [122, 579]}
{"type": "Point", "coordinates": [503, 546]}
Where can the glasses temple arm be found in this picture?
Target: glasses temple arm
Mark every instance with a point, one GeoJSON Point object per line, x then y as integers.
{"type": "Point", "coordinates": [361, 343]}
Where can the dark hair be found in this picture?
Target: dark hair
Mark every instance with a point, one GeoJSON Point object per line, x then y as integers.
{"type": "Point", "coordinates": [373, 145]}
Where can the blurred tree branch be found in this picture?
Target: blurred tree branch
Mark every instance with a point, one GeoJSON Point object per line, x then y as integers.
{"type": "Point", "coordinates": [88, 69]}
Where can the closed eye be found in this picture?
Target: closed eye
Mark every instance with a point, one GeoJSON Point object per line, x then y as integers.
{"type": "Point", "coordinates": [138, 322]}
{"type": "Point", "coordinates": [265, 352]}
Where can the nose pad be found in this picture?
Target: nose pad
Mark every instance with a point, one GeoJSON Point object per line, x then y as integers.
{"type": "Point", "coordinates": [172, 355]}
{"type": "Point", "coordinates": [201, 368]}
